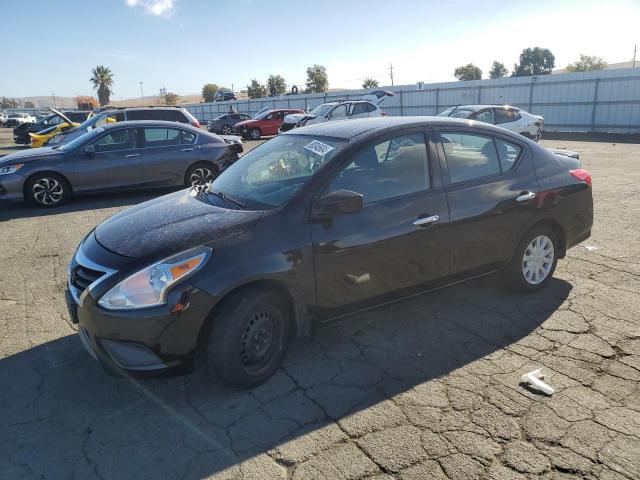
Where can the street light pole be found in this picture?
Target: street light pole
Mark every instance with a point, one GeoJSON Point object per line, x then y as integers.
{"type": "Point", "coordinates": [141, 92]}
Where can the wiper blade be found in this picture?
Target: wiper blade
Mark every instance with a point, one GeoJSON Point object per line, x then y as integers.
{"type": "Point", "coordinates": [226, 197]}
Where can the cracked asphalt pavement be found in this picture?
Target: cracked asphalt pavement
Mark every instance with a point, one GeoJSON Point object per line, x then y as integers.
{"type": "Point", "coordinates": [426, 388]}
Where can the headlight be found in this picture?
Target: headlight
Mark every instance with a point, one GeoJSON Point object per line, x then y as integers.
{"type": "Point", "coordinates": [11, 169]}
{"type": "Point", "coordinates": [148, 287]}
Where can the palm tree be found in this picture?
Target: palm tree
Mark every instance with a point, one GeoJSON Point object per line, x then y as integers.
{"type": "Point", "coordinates": [102, 80]}
{"type": "Point", "coordinates": [370, 83]}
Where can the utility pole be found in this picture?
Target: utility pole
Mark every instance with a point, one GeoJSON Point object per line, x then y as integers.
{"type": "Point", "coordinates": [391, 73]}
{"type": "Point", "coordinates": [53, 95]}
{"type": "Point", "coordinates": [141, 92]}
{"type": "Point", "coordinates": [634, 55]}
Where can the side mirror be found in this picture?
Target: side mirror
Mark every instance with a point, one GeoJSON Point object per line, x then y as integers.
{"type": "Point", "coordinates": [336, 203]}
{"type": "Point", "coordinates": [90, 150]}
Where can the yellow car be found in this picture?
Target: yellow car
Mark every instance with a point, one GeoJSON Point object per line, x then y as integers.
{"type": "Point", "coordinates": [40, 138]}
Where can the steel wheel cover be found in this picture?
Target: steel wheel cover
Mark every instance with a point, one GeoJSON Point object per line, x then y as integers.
{"type": "Point", "coordinates": [48, 191]}
{"type": "Point", "coordinates": [537, 260]}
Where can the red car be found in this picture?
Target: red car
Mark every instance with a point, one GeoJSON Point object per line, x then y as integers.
{"type": "Point", "coordinates": [266, 123]}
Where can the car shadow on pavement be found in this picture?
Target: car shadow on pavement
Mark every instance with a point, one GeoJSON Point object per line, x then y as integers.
{"type": "Point", "coordinates": [63, 416]}
{"type": "Point", "coordinates": [14, 210]}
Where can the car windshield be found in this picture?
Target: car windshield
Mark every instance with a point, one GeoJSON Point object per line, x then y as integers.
{"type": "Point", "coordinates": [320, 110]}
{"type": "Point", "coordinates": [90, 122]}
{"type": "Point", "coordinates": [263, 115]}
{"type": "Point", "coordinates": [456, 113]}
{"type": "Point", "coordinates": [270, 174]}
{"type": "Point", "coordinates": [81, 140]}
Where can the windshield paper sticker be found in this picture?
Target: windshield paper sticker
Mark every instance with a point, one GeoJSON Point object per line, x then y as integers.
{"type": "Point", "coordinates": [319, 148]}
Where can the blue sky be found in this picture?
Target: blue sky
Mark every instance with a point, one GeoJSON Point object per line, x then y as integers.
{"type": "Point", "coordinates": [50, 47]}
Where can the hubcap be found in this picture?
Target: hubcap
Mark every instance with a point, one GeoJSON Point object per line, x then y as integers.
{"type": "Point", "coordinates": [538, 260]}
{"type": "Point", "coordinates": [259, 340]}
{"type": "Point", "coordinates": [226, 130]}
{"type": "Point", "coordinates": [255, 134]}
{"type": "Point", "coordinates": [48, 191]}
{"type": "Point", "coordinates": [200, 176]}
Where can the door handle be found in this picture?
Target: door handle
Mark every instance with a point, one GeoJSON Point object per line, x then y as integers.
{"type": "Point", "coordinates": [426, 220]}
{"type": "Point", "coordinates": [131, 155]}
{"type": "Point", "coordinates": [526, 196]}
{"type": "Point", "coordinates": [187, 150]}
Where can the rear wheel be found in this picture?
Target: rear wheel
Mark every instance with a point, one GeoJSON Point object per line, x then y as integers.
{"type": "Point", "coordinates": [200, 174]}
{"type": "Point", "coordinates": [249, 337]}
{"type": "Point", "coordinates": [47, 190]}
{"type": "Point", "coordinates": [226, 130]}
{"type": "Point", "coordinates": [534, 261]}
{"type": "Point", "coordinates": [254, 134]}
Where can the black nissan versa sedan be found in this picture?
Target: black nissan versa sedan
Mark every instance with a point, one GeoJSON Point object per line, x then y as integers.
{"type": "Point", "coordinates": [315, 224]}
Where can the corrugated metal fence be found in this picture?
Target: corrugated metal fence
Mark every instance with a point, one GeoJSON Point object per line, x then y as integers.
{"type": "Point", "coordinates": [603, 101]}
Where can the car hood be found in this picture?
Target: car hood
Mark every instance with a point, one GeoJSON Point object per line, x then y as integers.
{"type": "Point", "coordinates": [25, 156]}
{"type": "Point", "coordinates": [296, 117]}
{"type": "Point", "coordinates": [171, 224]}
{"type": "Point", "coordinates": [246, 123]}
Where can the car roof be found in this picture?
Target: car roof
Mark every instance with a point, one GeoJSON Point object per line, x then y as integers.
{"type": "Point", "coordinates": [151, 123]}
{"type": "Point", "coordinates": [482, 107]}
{"type": "Point", "coordinates": [348, 129]}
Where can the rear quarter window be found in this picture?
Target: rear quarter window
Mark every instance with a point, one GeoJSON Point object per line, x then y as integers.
{"type": "Point", "coordinates": [174, 116]}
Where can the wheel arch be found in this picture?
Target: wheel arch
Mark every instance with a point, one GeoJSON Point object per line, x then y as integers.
{"type": "Point", "coordinates": [557, 229]}
{"type": "Point", "coordinates": [298, 307]}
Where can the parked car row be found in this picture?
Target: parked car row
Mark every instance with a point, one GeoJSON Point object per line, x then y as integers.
{"type": "Point", "coordinates": [317, 223]}
{"type": "Point", "coordinates": [37, 133]}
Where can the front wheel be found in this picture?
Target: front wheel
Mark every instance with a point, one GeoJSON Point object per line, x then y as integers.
{"type": "Point", "coordinates": [249, 337]}
{"type": "Point", "coordinates": [254, 134]}
{"type": "Point", "coordinates": [226, 130]}
{"type": "Point", "coordinates": [534, 261]}
{"type": "Point", "coordinates": [47, 190]}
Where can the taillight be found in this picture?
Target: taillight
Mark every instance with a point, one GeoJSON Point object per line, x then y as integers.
{"type": "Point", "coordinates": [195, 123]}
{"type": "Point", "coordinates": [582, 175]}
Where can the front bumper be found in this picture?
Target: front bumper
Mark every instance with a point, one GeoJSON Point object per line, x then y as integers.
{"type": "Point", "coordinates": [11, 187]}
{"type": "Point", "coordinates": [146, 342]}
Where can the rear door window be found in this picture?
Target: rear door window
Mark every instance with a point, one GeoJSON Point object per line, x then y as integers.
{"type": "Point", "coordinates": [502, 115]}
{"type": "Point", "coordinates": [469, 156]}
{"type": "Point", "coordinates": [145, 115]}
{"type": "Point", "coordinates": [359, 108]}
{"type": "Point", "coordinates": [508, 154]}
{"type": "Point", "coordinates": [161, 137]}
{"type": "Point", "coordinates": [174, 116]}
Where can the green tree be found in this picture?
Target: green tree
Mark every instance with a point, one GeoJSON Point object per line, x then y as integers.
{"type": "Point", "coordinates": [468, 72]}
{"type": "Point", "coordinates": [8, 103]}
{"type": "Point", "coordinates": [29, 104]}
{"type": "Point", "coordinates": [370, 83]}
{"type": "Point", "coordinates": [256, 90]}
{"type": "Point", "coordinates": [102, 80]}
{"type": "Point", "coordinates": [276, 85]}
{"type": "Point", "coordinates": [209, 92]}
{"type": "Point", "coordinates": [317, 79]}
{"type": "Point", "coordinates": [587, 63]}
{"type": "Point", "coordinates": [534, 61]}
{"type": "Point", "coordinates": [171, 98]}
{"type": "Point", "coordinates": [498, 70]}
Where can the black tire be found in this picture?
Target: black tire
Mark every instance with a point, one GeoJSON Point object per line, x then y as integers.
{"type": "Point", "coordinates": [249, 337]}
{"type": "Point", "coordinates": [47, 190]}
{"type": "Point", "coordinates": [518, 274]}
{"type": "Point", "coordinates": [226, 130]}
{"type": "Point", "coordinates": [254, 134]}
{"type": "Point", "coordinates": [203, 170]}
